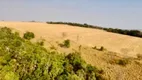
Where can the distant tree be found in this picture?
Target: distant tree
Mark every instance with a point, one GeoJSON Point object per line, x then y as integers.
{"type": "Point", "coordinates": [135, 33]}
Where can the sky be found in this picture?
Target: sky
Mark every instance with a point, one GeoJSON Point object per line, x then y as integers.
{"type": "Point", "coordinates": [124, 14]}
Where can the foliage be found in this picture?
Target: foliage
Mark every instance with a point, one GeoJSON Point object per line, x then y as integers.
{"type": "Point", "coordinates": [94, 47]}
{"type": "Point", "coordinates": [29, 35]}
{"type": "Point", "coordinates": [53, 47]}
{"type": "Point", "coordinates": [139, 56]}
{"type": "Point", "coordinates": [21, 59]}
{"type": "Point", "coordinates": [99, 49]}
{"type": "Point", "coordinates": [122, 62]}
{"type": "Point", "coordinates": [66, 43]}
{"type": "Point", "coordinates": [41, 42]}
{"type": "Point", "coordinates": [135, 33]}
{"type": "Point", "coordinates": [102, 48]}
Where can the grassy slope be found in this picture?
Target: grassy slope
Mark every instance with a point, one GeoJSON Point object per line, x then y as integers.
{"type": "Point", "coordinates": [91, 37]}
{"type": "Point", "coordinates": [21, 59]}
{"type": "Point", "coordinates": [126, 45]}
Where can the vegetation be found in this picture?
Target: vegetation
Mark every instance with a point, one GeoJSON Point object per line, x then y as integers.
{"type": "Point", "coordinates": [135, 33]}
{"type": "Point", "coordinates": [41, 42]}
{"type": "Point", "coordinates": [102, 48]}
{"type": "Point", "coordinates": [20, 59]}
{"type": "Point", "coordinates": [139, 56]}
{"type": "Point", "coordinates": [99, 49]}
{"type": "Point", "coordinates": [29, 35]}
{"type": "Point", "coordinates": [122, 62]}
{"type": "Point", "coordinates": [53, 47]}
{"type": "Point", "coordinates": [66, 43]}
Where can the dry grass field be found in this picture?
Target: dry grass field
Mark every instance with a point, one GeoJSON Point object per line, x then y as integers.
{"type": "Point", "coordinates": [117, 46]}
{"type": "Point", "coordinates": [126, 45]}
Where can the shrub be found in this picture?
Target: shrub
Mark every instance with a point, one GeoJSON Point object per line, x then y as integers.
{"type": "Point", "coordinates": [94, 47]}
{"type": "Point", "coordinates": [80, 47]}
{"type": "Point", "coordinates": [29, 35]}
{"type": "Point", "coordinates": [99, 49]}
{"type": "Point", "coordinates": [22, 59]}
{"type": "Point", "coordinates": [41, 42]}
{"type": "Point", "coordinates": [90, 68]}
{"type": "Point", "coordinates": [102, 48]}
{"type": "Point", "coordinates": [122, 62]}
{"type": "Point", "coordinates": [66, 43]}
{"type": "Point", "coordinates": [53, 47]}
{"type": "Point", "coordinates": [64, 34]}
{"type": "Point", "coordinates": [139, 56]}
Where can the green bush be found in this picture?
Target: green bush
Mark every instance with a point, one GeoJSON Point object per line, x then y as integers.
{"type": "Point", "coordinates": [66, 43]}
{"type": "Point", "coordinates": [29, 35]}
{"type": "Point", "coordinates": [41, 42]}
{"type": "Point", "coordinates": [21, 59]}
{"type": "Point", "coordinates": [53, 47]}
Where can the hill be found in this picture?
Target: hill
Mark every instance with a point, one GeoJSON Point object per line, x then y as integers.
{"type": "Point", "coordinates": [135, 33]}
{"type": "Point", "coordinates": [20, 59]}
{"type": "Point", "coordinates": [115, 56]}
{"type": "Point", "coordinates": [123, 44]}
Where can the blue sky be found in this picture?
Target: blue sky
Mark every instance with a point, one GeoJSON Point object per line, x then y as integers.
{"type": "Point", "coordinates": [125, 14]}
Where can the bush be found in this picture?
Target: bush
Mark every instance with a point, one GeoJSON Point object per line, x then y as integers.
{"type": "Point", "coordinates": [122, 62]}
{"type": "Point", "coordinates": [102, 48]}
{"type": "Point", "coordinates": [21, 59]}
{"type": "Point", "coordinates": [99, 49]}
{"type": "Point", "coordinates": [139, 56]}
{"type": "Point", "coordinates": [94, 47]}
{"type": "Point", "coordinates": [29, 35]}
{"type": "Point", "coordinates": [53, 47]}
{"type": "Point", "coordinates": [41, 42]}
{"type": "Point", "coordinates": [66, 43]}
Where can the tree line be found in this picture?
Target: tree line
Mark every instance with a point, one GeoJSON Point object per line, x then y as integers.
{"type": "Point", "coordinates": [135, 33]}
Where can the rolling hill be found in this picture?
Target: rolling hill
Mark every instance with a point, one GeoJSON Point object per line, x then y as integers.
{"type": "Point", "coordinates": [123, 44]}
{"type": "Point", "coordinates": [118, 60]}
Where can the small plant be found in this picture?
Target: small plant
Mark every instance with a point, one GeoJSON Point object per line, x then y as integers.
{"type": "Point", "coordinates": [138, 63]}
{"type": "Point", "coordinates": [78, 37]}
{"type": "Point", "coordinates": [99, 49]}
{"type": "Point", "coordinates": [94, 47]}
{"type": "Point", "coordinates": [122, 62]}
{"type": "Point", "coordinates": [29, 35]}
{"type": "Point", "coordinates": [139, 56]}
{"type": "Point", "coordinates": [79, 48]}
{"type": "Point", "coordinates": [53, 47]}
{"type": "Point", "coordinates": [41, 42]}
{"type": "Point", "coordinates": [66, 43]}
{"type": "Point", "coordinates": [102, 48]}
{"type": "Point", "coordinates": [64, 34]}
